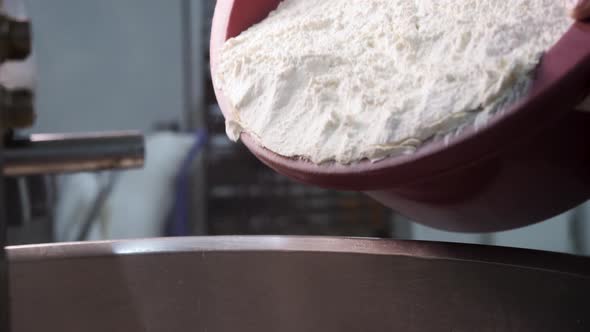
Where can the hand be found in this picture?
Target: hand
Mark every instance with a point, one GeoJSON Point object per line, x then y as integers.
{"type": "Point", "coordinates": [582, 10]}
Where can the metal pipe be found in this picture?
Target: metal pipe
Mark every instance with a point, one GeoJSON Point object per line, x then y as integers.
{"type": "Point", "coordinates": [67, 153]}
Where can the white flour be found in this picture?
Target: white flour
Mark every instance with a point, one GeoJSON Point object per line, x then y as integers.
{"type": "Point", "coordinates": [347, 80]}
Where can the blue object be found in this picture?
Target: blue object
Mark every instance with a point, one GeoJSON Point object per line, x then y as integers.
{"type": "Point", "coordinates": [180, 222]}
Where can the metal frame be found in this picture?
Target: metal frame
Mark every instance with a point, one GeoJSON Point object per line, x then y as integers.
{"type": "Point", "coordinates": [193, 41]}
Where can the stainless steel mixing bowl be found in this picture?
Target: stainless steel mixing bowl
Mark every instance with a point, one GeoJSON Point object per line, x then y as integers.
{"type": "Point", "coordinates": [295, 284]}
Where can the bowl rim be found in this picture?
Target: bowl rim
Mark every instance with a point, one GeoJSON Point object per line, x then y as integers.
{"type": "Point", "coordinates": [516, 257]}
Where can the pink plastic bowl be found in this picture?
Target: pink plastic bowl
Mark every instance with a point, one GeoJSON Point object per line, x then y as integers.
{"type": "Point", "coordinates": [528, 164]}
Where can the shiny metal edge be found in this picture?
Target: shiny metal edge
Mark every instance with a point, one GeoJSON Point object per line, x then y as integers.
{"type": "Point", "coordinates": [521, 258]}
{"type": "Point", "coordinates": [68, 153]}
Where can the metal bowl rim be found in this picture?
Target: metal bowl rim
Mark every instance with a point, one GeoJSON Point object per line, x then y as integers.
{"type": "Point", "coordinates": [520, 258]}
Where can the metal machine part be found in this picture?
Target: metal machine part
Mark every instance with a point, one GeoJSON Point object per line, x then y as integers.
{"type": "Point", "coordinates": [15, 38]}
{"type": "Point", "coordinates": [47, 153]}
{"type": "Point", "coordinates": [60, 153]}
{"type": "Point", "coordinates": [295, 284]}
{"type": "Point", "coordinates": [32, 202]}
{"type": "Point", "coordinates": [6, 51]}
{"type": "Point", "coordinates": [16, 108]}
{"type": "Point", "coordinates": [53, 153]}
{"type": "Point", "coordinates": [4, 288]}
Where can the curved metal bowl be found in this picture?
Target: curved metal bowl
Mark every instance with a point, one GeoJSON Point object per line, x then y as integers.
{"type": "Point", "coordinates": [295, 284]}
{"type": "Point", "coordinates": [528, 164]}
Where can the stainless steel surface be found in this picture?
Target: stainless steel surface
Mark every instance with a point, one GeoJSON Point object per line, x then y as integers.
{"type": "Point", "coordinates": [62, 153]}
{"type": "Point", "coordinates": [295, 284]}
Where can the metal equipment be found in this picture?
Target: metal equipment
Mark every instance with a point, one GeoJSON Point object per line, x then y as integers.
{"type": "Point", "coordinates": [43, 154]}
{"type": "Point", "coordinates": [259, 283]}
{"type": "Point", "coordinates": [297, 284]}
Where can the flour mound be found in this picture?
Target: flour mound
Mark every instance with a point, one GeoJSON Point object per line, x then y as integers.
{"type": "Point", "coordinates": [347, 80]}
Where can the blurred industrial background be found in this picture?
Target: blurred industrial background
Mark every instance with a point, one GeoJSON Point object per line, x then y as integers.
{"type": "Point", "coordinates": [144, 65]}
